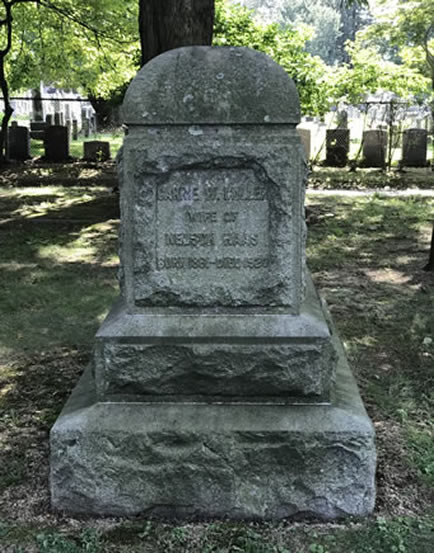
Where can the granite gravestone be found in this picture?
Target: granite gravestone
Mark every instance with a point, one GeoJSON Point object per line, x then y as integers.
{"type": "Point", "coordinates": [56, 143]}
{"type": "Point", "coordinates": [218, 387]}
{"type": "Point", "coordinates": [19, 143]}
{"type": "Point", "coordinates": [414, 148]}
{"type": "Point", "coordinates": [96, 150]}
{"type": "Point", "coordinates": [74, 129]}
{"type": "Point", "coordinates": [374, 148]}
{"type": "Point", "coordinates": [337, 147]}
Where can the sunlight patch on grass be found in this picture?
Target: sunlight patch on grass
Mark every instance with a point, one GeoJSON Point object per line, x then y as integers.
{"type": "Point", "coordinates": [387, 275]}
{"type": "Point", "coordinates": [89, 246]}
{"type": "Point", "coordinates": [45, 207]}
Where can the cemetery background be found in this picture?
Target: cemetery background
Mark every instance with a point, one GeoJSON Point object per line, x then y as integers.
{"type": "Point", "coordinates": [59, 241]}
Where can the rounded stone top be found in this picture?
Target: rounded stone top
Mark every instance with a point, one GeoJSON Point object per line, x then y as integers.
{"type": "Point", "coordinates": [211, 85]}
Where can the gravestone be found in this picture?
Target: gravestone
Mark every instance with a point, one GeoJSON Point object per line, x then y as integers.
{"type": "Point", "coordinates": [56, 143]}
{"type": "Point", "coordinates": [37, 107]}
{"type": "Point", "coordinates": [374, 148]}
{"type": "Point", "coordinates": [337, 147]}
{"type": "Point", "coordinates": [19, 143]}
{"type": "Point", "coordinates": [74, 129]}
{"type": "Point", "coordinates": [37, 130]}
{"type": "Point", "coordinates": [414, 148]}
{"type": "Point", "coordinates": [49, 119]}
{"type": "Point", "coordinates": [96, 150]}
{"type": "Point", "coordinates": [57, 119]}
{"type": "Point", "coordinates": [305, 140]}
{"type": "Point", "coordinates": [218, 386]}
{"type": "Point", "coordinates": [86, 127]}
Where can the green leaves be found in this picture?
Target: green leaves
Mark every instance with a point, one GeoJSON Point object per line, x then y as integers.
{"type": "Point", "coordinates": [90, 45]}
{"type": "Point", "coordinates": [235, 25]}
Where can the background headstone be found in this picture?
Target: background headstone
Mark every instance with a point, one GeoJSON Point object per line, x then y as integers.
{"type": "Point", "coordinates": [37, 107]}
{"type": "Point", "coordinates": [49, 119]}
{"type": "Point", "coordinates": [414, 147]}
{"type": "Point", "coordinates": [37, 130]}
{"type": "Point", "coordinates": [57, 118]}
{"type": "Point", "coordinates": [337, 147]}
{"type": "Point", "coordinates": [374, 148]}
{"type": "Point", "coordinates": [56, 143]}
{"type": "Point", "coordinates": [305, 140]}
{"type": "Point", "coordinates": [86, 127]}
{"type": "Point", "coordinates": [74, 129]}
{"type": "Point", "coordinates": [96, 150]}
{"type": "Point", "coordinates": [19, 143]}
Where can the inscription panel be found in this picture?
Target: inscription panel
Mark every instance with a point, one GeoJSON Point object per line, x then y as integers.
{"type": "Point", "coordinates": [213, 223]}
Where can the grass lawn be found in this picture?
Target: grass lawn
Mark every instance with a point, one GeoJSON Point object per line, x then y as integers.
{"type": "Point", "coordinates": [58, 232]}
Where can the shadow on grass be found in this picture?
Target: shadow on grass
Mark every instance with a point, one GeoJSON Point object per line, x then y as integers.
{"type": "Point", "coordinates": [58, 272]}
{"type": "Point", "coordinates": [58, 281]}
{"type": "Point", "coordinates": [366, 256]}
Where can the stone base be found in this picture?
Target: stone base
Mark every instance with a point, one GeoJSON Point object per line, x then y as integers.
{"type": "Point", "coordinates": [224, 356]}
{"type": "Point", "coordinates": [195, 460]}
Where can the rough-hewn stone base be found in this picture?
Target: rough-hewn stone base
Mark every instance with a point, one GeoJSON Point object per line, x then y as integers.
{"type": "Point", "coordinates": [214, 460]}
{"type": "Point", "coordinates": [218, 356]}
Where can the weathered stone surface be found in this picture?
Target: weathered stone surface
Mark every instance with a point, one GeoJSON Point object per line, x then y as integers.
{"type": "Point", "coordinates": [227, 215]}
{"type": "Point", "coordinates": [220, 85]}
{"type": "Point", "coordinates": [210, 460]}
{"type": "Point", "coordinates": [205, 167]}
{"type": "Point", "coordinates": [215, 370]}
{"type": "Point", "coordinates": [213, 391]}
{"type": "Point", "coordinates": [272, 356]}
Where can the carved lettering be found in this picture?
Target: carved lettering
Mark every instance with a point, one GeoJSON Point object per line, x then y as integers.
{"type": "Point", "coordinates": [212, 220]}
{"type": "Point", "coordinates": [243, 240]}
{"type": "Point", "coordinates": [202, 216]}
{"type": "Point", "coordinates": [208, 263]}
{"type": "Point", "coordinates": [184, 193]}
{"type": "Point", "coordinates": [187, 239]}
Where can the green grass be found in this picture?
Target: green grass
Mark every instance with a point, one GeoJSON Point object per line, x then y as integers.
{"type": "Point", "coordinates": [344, 179]}
{"type": "Point", "coordinates": [400, 535]}
{"type": "Point", "coordinates": [59, 265]}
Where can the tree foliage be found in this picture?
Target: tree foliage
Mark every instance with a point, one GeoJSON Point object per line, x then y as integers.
{"type": "Point", "coordinates": [333, 22]}
{"type": "Point", "coordinates": [409, 26]}
{"type": "Point", "coordinates": [86, 44]}
{"type": "Point", "coordinates": [236, 26]}
{"type": "Point", "coordinates": [369, 72]}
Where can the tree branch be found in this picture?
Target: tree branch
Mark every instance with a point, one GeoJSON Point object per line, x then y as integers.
{"type": "Point", "coordinates": [66, 13]}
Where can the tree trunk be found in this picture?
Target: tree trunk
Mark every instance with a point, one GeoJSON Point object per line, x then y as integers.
{"type": "Point", "coordinates": [7, 113]}
{"type": "Point", "coordinates": [168, 24]}
{"type": "Point", "coordinates": [430, 265]}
